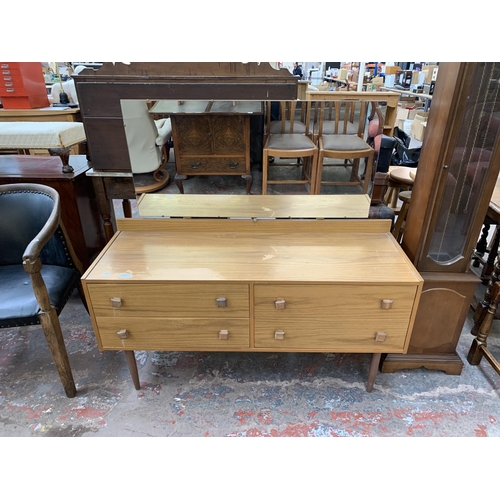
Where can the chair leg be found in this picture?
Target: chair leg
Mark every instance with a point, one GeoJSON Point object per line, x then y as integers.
{"type": "Point", "coordinates": [368, 171]}
{"type": "Point", "coordinates": [398, 227]}
{"type": "Point", "coordinates": [53, 335]}
{"type": "Point", "coordinates": [319, 172]}
{"type": "Point", "coordinates": [265, 170]}
{"type": "Point", "coordinates": [313, 173]}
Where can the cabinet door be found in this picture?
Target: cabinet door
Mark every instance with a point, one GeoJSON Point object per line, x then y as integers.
{"type": "Point", "coordinates": [193, 135]}
{"type": "Point", "coordinates": [230, 134]}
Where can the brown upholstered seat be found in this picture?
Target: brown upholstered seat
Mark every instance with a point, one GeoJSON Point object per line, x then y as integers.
{"type": "Point", "coordinates": [298, 127]}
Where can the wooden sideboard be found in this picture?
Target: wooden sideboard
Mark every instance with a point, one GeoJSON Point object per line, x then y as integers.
{"type": "Point", "coordinates": [210, 137]}
{"type": "Point", "coordinates": [253, 285]}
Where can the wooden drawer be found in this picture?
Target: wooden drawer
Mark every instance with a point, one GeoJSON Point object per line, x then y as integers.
{"type": "Point", "coordinates": [212, 165]}
{"type": "Point", "coordinates": [312, 301]}
{"type": "Point", "coordinates": [174, 333]}
{"type": "Point", "coordinates": [344, 318]}
{"type": "Point", "coordinates": [169, 300]}
{"type": "Point", "coordinates": [344, 334]}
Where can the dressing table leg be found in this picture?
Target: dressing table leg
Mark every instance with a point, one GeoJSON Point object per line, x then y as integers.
{"type": "Point", "coordinates": [373, 371]}
{"type": "Point", "coordinates": [132, 366]}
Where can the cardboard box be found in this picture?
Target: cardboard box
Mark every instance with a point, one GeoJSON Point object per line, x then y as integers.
{"type": "Point", "coordinates": [391, 70]}
{"type": "Point", "coordinates": [342, 74]}
{"type": "Point", "coordinates": [417, 127]}
{"type": "Point", "coordinates": [430, 73]}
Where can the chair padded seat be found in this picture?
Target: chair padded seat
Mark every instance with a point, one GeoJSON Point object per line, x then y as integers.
{"type": "Point", "coordinates": [18, 305]}
{"type": "Point", "coordinates": [298, 127]}
{"type": "Point", "coordinates": [290, 142]}
{"type": "Point", "coordinates": [329, 128]}
{"type": "Point", "coordinates": [343, 142]}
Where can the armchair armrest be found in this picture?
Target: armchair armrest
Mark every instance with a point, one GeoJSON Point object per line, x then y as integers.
{"type": "Point", "coordinates": [36, 245]}
{"type": "Point", "coordinates": [164, 127]}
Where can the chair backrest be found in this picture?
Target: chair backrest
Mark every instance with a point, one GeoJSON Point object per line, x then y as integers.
{"type": "Point", "coordinates": [288, 116]}
{"type": "Point", "coordinates": [25, 209]}
{"type": "Point", "coordinates": [141, 133]}
{"type": "Point", "coordinates": [343, 115]}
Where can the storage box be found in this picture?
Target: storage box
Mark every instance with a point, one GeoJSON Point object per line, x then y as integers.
{"type": "Point", "coordinates": [392, 70]}
{"type": "Point", "coordinates": [429, 77]}
{"type": "Point", "coordinates": [342, 74]}
{"type": "Point", "coordinates": [417, 126]}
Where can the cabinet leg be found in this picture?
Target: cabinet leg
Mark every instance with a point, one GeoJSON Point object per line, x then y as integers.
{"type": "Point", "coordinates": [178, 181]}
{"type": "Point", "coordinates": [249, 181]}
{"type": "Point", "coordinates": [132, 366]}
{"type": "Point", "coordinates": [373, 371]}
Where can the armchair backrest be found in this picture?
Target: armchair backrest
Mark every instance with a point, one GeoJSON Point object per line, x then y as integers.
{"type": "Point", "coordinates": [141, 133]}
{"type": "Point", "coordinates": [25, 210]}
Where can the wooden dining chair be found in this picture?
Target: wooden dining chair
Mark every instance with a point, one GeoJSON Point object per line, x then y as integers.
{"type": "Point", "coordinates": [349, 148]}
{"type": "Point", "coordinates": [290, 138]}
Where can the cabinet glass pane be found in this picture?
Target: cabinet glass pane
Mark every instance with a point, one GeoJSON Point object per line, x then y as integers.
{"type": "Point", "coordinates": [467, 165]}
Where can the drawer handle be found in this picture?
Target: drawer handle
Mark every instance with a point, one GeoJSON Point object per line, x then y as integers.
{"type": "Point", "coordinates": [380, 337]}
{"type": "Point", "coordinates": [10, 90]}
{"type": "Point", "coordinates": [279, 335]}
{"type": "Point", "coordinates": [195, 165]}
{"type": "Point", "coordinates": [116, 302]}
{"type": "Point", "coordinates": [280, 304]}
{"type": "Point", "coordinates": [9, 84]}
{"type": "Point", "coordinates": [7, 78]}
{"type": "Point", "coordinates": [5, 66]}
{"type": "Point", "coordinates": [221, 302]}
{"type": "Point", "coordinates": [123, 334]}
{"type": "Point", "coordinates": [233, 164]}
{"type": "Point", "coordinates": [224, 335]}
{"type": "Point", "coordinates": [6, 72]}
{"type": "Point", "coordinates": [386, 304]}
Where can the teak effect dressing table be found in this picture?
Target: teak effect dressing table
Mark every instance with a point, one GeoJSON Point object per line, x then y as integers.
{"type": "Point", "coordinates": [254, 285]}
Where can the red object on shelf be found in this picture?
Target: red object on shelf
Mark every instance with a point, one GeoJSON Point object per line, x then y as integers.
{"type": "Point", "coordinates": [22, 85]}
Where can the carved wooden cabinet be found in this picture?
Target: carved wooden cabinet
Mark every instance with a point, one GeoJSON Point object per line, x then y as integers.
{"type": "Point", "coordinates": [458, 167]}
{"type": "Point", "coordinates": [210, 137]}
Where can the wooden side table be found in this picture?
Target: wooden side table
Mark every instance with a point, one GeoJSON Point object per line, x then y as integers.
{"type": "Point", "coordinates": [79, 212]}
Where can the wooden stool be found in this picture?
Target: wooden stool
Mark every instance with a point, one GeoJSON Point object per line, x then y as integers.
{"type": "Point", "coordinates": [398, 231]}
{"type": "Point", "coordinates": [399, 178]}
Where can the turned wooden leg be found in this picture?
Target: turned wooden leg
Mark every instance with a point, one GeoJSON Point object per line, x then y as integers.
{"type": "Point", "coordinates": [178, 178]}
{"type": "Point", "coordinates": [373, 371]}
{"type": "Point", "coordinates": [104, 206]}
{"type": "Point", "coordinates": [249, 181]}
{"type": "Point", "coordinates": [132, 367]}
{"type": "Point", "coordinates": [479, 343]}
{"type": "Point", "coordinates": [490, 261]}
{"type": "Point", "coordinates": [482, 307]}
{"type": "Point", "coordinates": [482, 244]}
{"type": "Point", "coordinates": [63, 153]}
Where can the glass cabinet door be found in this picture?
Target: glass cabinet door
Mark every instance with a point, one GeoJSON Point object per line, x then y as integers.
{"type": "Point", "coordinates": [470, 155]}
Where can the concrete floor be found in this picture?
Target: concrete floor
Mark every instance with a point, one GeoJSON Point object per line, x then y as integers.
{"type": "Point", "coordinates": [234, 394]}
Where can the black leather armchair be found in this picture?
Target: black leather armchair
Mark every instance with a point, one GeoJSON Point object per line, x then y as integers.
{"type": "Point", "coordinates": [33, 248]}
